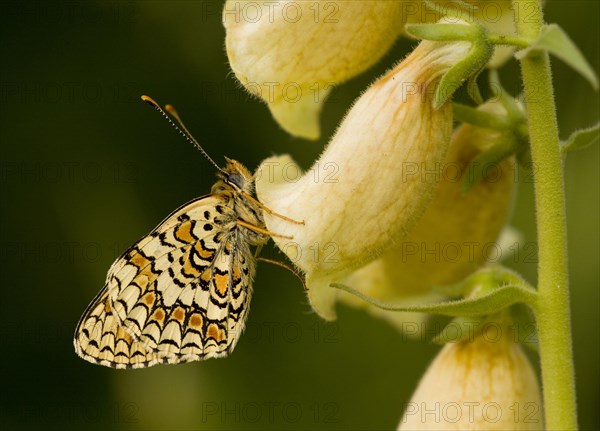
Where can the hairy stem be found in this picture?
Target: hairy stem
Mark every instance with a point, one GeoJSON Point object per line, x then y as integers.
{"type": "Point", "coordinates": [480, 118]}
{"type": "Point", "coordinates": [552, 310]}
{"type": "Point", "coordinates": [499, 39]}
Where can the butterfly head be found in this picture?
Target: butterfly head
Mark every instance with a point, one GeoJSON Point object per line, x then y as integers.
{"type": "Point", "coordinates": [237, 176]}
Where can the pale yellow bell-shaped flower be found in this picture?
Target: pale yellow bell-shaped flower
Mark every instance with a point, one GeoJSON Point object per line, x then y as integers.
{"type": "Point", "coordinates": [370, 186]}
{"type": "Point", "coordinates": [483, 383]}
{"type": "Point", "coordinates": [290, 53]}
{"type": "Point", "coordinates": [457, 234]}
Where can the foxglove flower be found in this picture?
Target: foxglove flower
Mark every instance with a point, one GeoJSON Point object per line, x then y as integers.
{"type": "Point", "coordinates": [457, 234]}
{"type": "Point", "coordinates": [376, 187]}
{"type": "Point", "coordinates": [290, 54]}
{"type": "Point", "coordinates": [497, 16]}
{"type": "Point", "coordinates": [483, 383]}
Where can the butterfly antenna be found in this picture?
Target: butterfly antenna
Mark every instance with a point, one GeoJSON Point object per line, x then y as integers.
{"type": "Point", "coordinates": [180, 128]}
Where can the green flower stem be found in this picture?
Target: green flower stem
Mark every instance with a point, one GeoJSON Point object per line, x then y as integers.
{"type": "Point", "coordinates": [480, 118]}
{"type": "Point", "coordinates": [501, 39]}
{"type": "Point", "coordinates": [552, 308]}
{"type": "Point", "coordinates": [488, 120]}
{"type": "Point", "coordinates": [512, 109]}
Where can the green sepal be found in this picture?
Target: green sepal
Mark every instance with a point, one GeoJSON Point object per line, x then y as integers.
{"type": "Point", "coordinates": [464, 332]}
{"type": "Point", "coordinates": [441, 8]}
{"type": "Point", "coordinates": [518, 320]}
{"type": "Point", "coordinates": [490, 302]}
{"type": "Point", "coordinates": [456, 290]}
{"type": "Point", "coordinates": [442, 32]}
{"type": "Point", "coordinates": [519, 129]}
{"type": "Point", "coordinates": [513, 110]}
{"type": "Point", "coordinates": [483, 280]}
{"type": "Point", "coordinates": [479, 54]}
{"type": "Point", "coordinates": [554, 40]}
{"type": "Point", "coordinates": [581, 139]}
{"type": "Point", "coordinates": [473, 88]}
{"type": "Point", "coordinates": [524, 327]}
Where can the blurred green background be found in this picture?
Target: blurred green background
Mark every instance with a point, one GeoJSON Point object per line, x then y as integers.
{"type": "Point", "coordinates": [86, 169]}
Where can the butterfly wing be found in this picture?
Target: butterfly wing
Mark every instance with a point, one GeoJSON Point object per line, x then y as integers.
{"type": "Point", "coordinates": [180, 294]}
{"type": "Point", "coordinates": [100, 340]}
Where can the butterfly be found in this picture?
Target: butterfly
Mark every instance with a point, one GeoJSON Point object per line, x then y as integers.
{"type": "Point", "coordinates": [182, 292]}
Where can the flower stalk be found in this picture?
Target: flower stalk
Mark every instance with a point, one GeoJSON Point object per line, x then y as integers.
{"type": "Point", "coordinates": [552, 310]}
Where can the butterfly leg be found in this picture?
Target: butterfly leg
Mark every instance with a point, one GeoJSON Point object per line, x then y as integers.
{"type": "Point", "coordinates": [260, 230]}
{"type": "Point", "coordinates": [283, 265]}
{"type": "Point", "coordinates": [258, 250]}
{"type": "Point", "coordinates": [268, 210]}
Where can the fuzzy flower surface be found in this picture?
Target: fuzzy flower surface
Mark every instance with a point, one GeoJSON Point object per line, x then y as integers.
{"type": "Point", "coordinates": [484, 383]}
{"type": "Point", "coordinates": [375, 193]}
{"type": "Point", "coordinates": [457, 234]}
{"type": "Point", "coordinates": [290, 54]}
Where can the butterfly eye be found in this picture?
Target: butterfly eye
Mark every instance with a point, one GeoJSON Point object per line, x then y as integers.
{"type": "Point", "coordinates": [236, 179]}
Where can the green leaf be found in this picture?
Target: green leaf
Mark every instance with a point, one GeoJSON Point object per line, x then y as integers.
{"type": "Point", "coordinates": [491, 301]}
{"type": "Point", "coordinates": [554, 40]}
{"type": "Point", "coordinates": [581, 139]}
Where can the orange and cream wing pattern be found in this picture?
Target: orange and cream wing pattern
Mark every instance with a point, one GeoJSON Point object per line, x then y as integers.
{"type": "Point", "coordinates": [180, 294]}
{"type": "Point", "coordinates": [100, 340]}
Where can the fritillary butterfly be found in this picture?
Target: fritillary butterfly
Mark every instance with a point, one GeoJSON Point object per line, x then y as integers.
{"type": "Point", "coordinates": [182, 292]}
